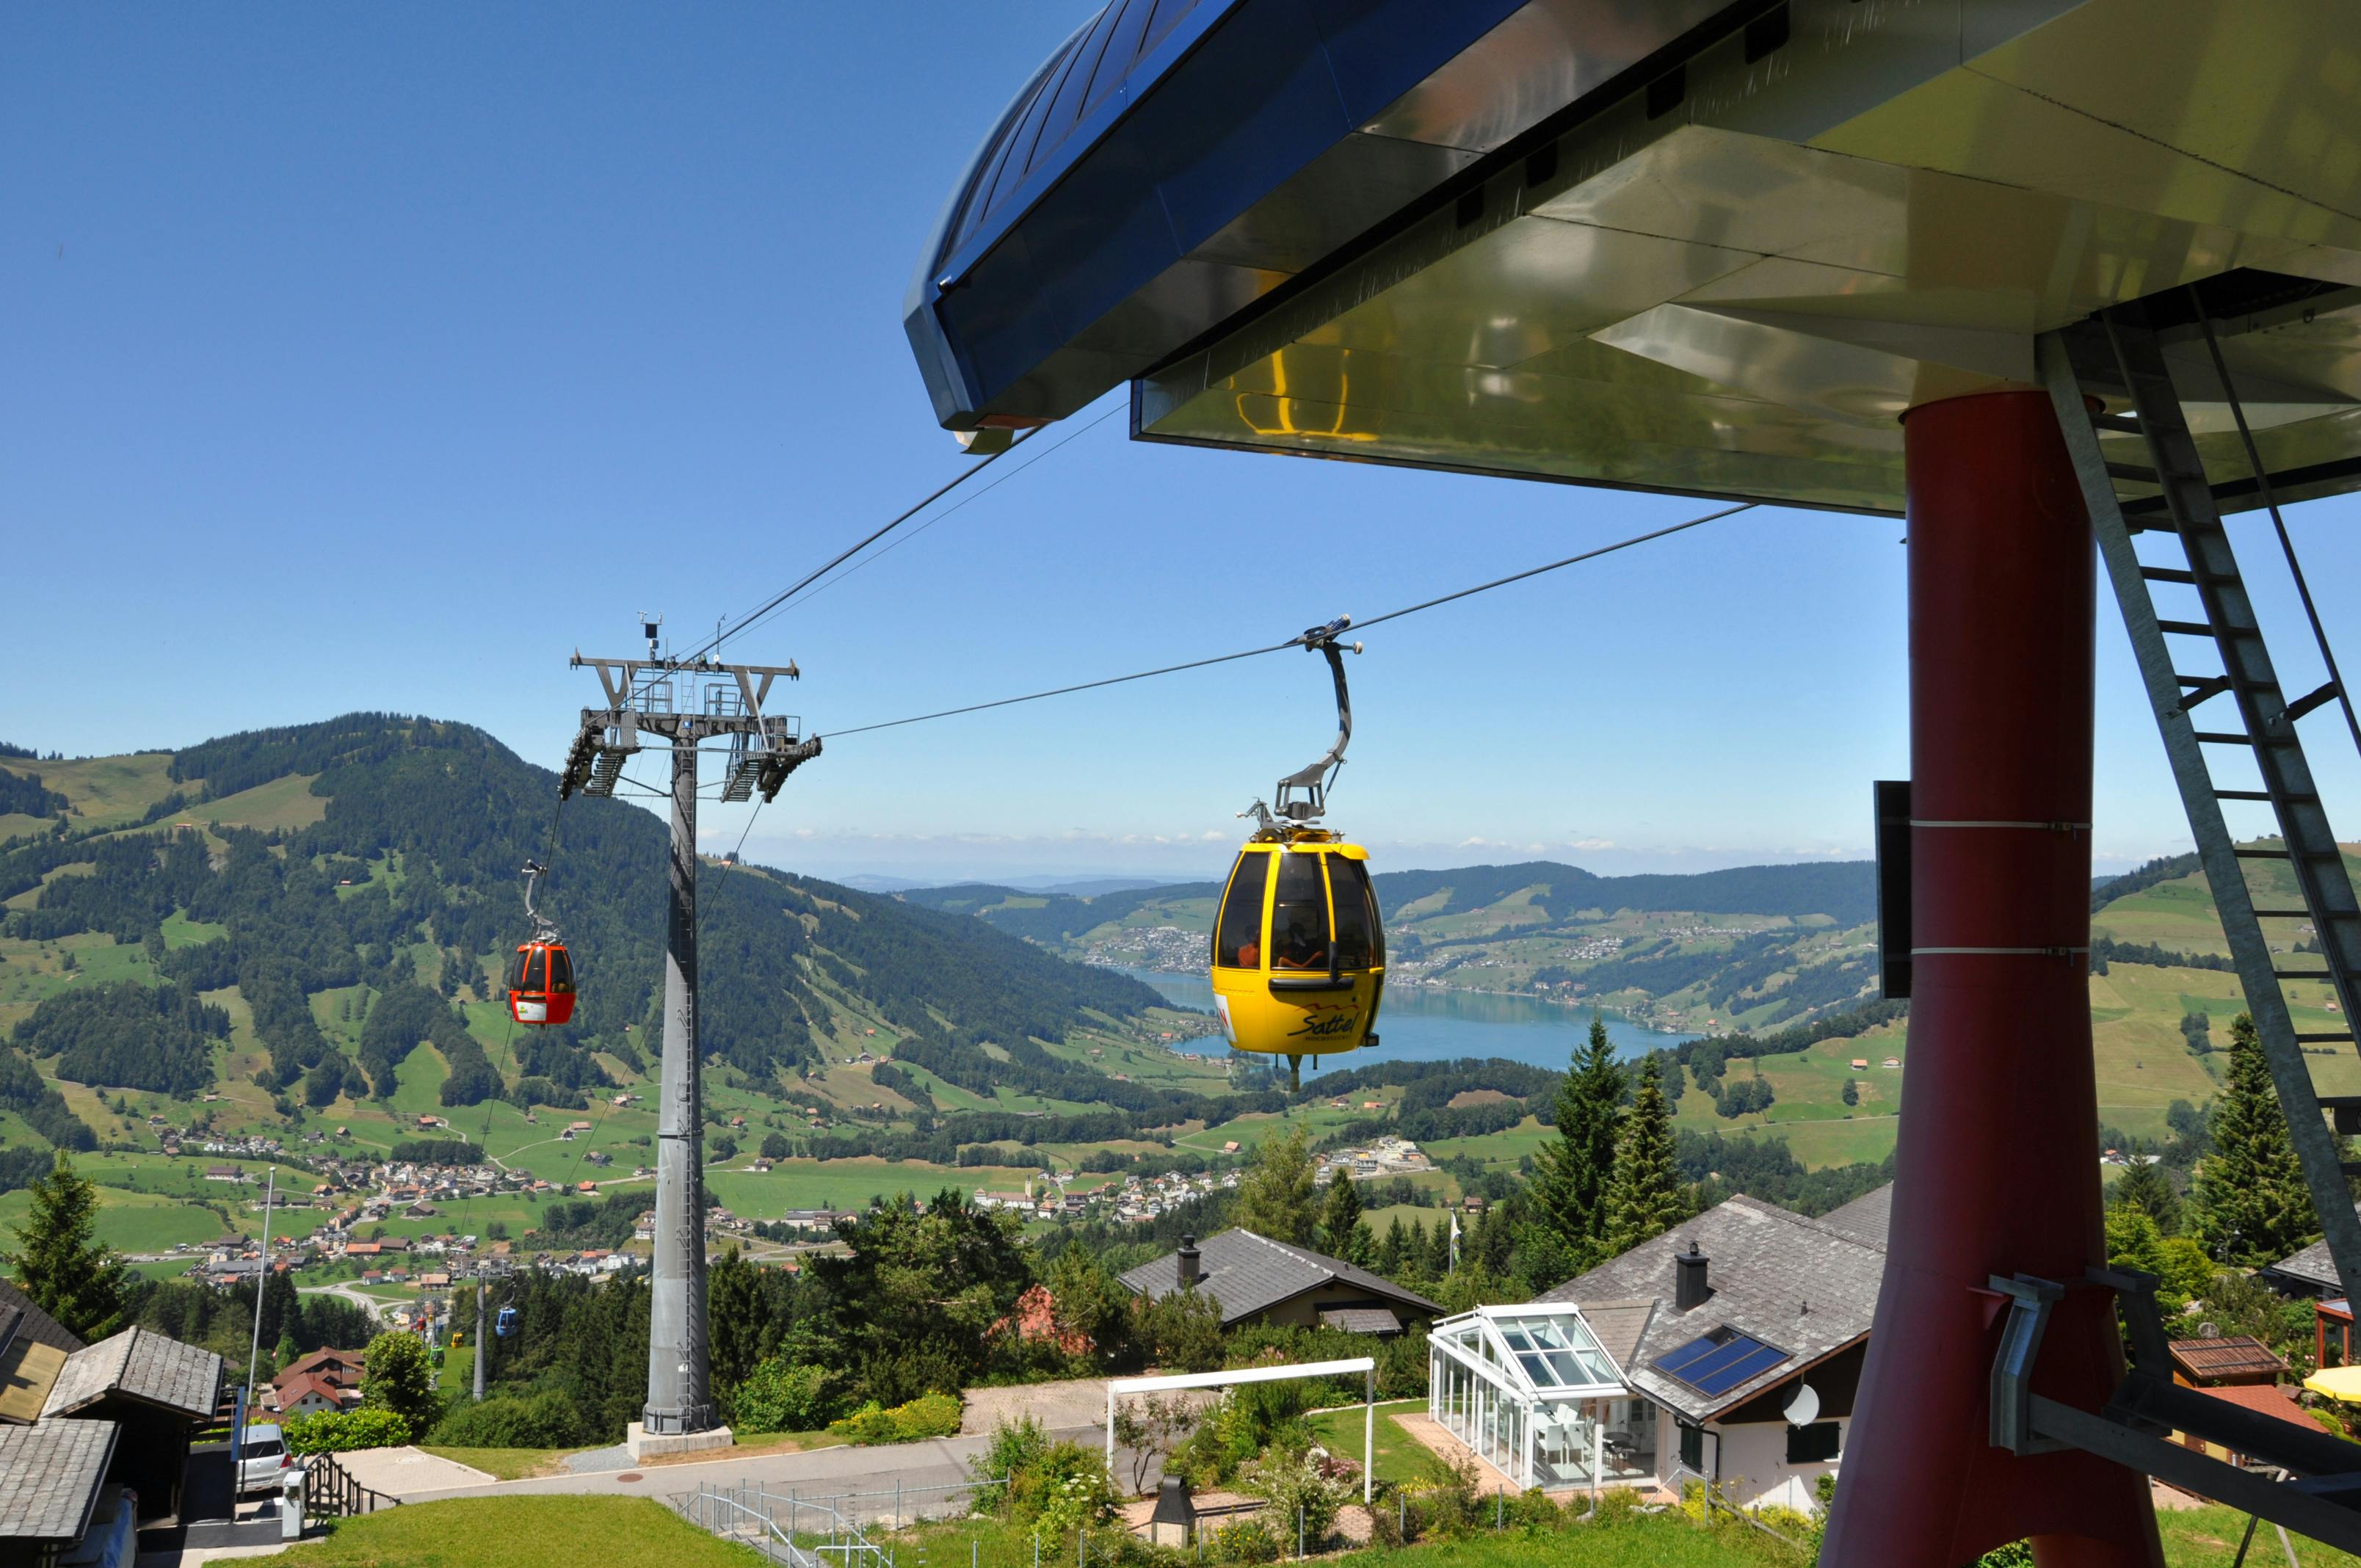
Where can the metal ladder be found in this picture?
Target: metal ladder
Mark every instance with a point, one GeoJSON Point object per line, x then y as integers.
{"type": "Point", "coordinates": [2121, 355]}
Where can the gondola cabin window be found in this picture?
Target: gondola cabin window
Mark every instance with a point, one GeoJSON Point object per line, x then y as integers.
{"type": "Point", "coordinates": [1237, 936]}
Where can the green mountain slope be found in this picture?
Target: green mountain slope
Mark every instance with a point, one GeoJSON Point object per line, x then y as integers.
{"type": "Point", "coordinates": [344, 895]}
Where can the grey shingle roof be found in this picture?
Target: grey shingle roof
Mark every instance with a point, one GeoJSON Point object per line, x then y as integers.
{"type": "Point", "coordinates": [1619, 1325]}
{"type": "Point", "coordinates": [1247, 1274]}
{"type": "Point", "coordinates": [19, 1319]}
{"type": "Point", "coordinates": [1865, 1218]}
{"type": "Point", "coordinates": [2312, 1267]}
{"type": "Point", "coordinates": [142, 1364]}
{"type": "Point", "coordinates": [1362, 1321]}
{"type": "Point", "coordinates": [1788, 1281]}
{"type": "Point", "coordinates": [50, 1476]}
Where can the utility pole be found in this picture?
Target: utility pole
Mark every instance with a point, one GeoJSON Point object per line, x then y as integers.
{"type": "Point", "coordinates": [682, 703]}
{"type": "Point", "coordinates": [480, 1333]}
{"type": "Point", "coordinates": [253, 1352]}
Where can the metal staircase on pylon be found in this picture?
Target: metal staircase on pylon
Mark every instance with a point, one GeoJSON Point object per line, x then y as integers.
{"type": "Point", "coordinates": [2210, 717]}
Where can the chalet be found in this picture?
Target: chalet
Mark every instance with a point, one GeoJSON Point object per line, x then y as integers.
{"type": "Point", "coordinates": [304, 1396]}
{"type": "Point", "coordinates": [340, 1369]}
{"type": "Point", "coordinates": [1256, 1280]}
{"type": "Point", "coordinates": [224, 1173]}
{"type": "Point", "coordinates": [1728, 1348]}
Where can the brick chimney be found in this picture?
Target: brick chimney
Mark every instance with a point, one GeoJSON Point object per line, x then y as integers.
{"type": "Point", "coordinates": [1189, 1271]}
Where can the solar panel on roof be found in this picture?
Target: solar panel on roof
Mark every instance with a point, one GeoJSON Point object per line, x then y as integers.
{"type": "Point", "coordinates": [1714, 1363]}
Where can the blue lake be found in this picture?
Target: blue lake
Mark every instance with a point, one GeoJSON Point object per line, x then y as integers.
{"type": "Point", "coordinates": [1420, 1025]}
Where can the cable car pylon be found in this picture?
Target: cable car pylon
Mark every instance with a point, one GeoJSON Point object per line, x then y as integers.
{"type": "Point", "coordinates": [682, 703]}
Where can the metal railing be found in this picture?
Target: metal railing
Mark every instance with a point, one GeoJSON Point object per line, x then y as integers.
{"type": "Point", "coordinates": [899, 1505]}
{"type": "Point", "coordinates": [331, 1493]}
{"type": "Point", "coordinates": [804, 1532]}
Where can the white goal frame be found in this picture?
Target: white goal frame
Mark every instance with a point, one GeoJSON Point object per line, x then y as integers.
{"type": "Point", "coordinates": [1365, 1364]}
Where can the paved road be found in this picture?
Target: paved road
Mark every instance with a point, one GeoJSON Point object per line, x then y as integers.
{"type": "Point", "coordinates": [361, 1298]}
{"type": "Point", "coordinates": [819, 1473]}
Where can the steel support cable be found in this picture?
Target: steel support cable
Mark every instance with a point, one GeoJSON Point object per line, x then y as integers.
{"type": "Point", "coordinates": [747, 620]}
{"type": "Point", "coordinates": [499, 1070]}
{"type": "Point", "coordinates": [796, 597]}
{"type": "Point", "coordinates": [1297, 642]}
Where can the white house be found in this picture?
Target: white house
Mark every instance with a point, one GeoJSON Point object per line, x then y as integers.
{"type": "Point", "coordinates": [1728, 1348]}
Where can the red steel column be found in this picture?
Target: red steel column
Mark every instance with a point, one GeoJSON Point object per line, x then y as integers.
{"type": "Point", "coordinates": [1998, 1164]}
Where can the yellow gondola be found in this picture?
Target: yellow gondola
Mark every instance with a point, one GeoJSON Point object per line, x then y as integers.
{"type": "Point", "coordinates": [1299, 961]}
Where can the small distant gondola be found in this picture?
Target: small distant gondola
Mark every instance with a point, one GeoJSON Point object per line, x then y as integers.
{"type": "Point", "coordinates": [541, 984]}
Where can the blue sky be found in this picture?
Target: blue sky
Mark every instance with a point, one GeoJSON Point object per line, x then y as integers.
{"type": "Point", "coordinates": [380, 357]}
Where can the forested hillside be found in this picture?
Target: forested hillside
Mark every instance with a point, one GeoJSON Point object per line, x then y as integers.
{"type": "Point", "coordinates": [400, 890]}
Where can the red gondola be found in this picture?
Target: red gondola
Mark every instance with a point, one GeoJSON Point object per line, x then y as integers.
{"type": "Point", "coordinates": [541, 984]}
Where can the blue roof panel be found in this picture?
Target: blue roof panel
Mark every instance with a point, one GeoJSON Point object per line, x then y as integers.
{"type": "Point", "coordinates": [1716, 1363]}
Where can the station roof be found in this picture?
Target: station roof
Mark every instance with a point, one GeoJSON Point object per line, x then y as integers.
{"type": "Point", "coordinates": [1678, 246]}
{"type": "Point", "coordinates": [143, 1366]}
{"type": "Point", "coordinates": [49, 1477]}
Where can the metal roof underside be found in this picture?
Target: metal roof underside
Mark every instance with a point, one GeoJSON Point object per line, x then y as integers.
{"type": "Point", "coordinates": [1731, 282]}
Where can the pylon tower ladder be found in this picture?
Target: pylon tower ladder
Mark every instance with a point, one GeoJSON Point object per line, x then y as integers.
{"type": "Point", "coordinates": [2239, 710]}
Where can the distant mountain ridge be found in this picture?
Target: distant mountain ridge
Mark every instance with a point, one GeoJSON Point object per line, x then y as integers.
{"type": "Point", "coordinates": [1843, 891]}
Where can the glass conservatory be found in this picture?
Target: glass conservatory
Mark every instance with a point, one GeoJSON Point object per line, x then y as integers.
{"type": "Point", "coordinates": [1531, 1391]}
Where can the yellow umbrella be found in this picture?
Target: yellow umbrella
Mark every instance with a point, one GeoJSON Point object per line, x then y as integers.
{"type": "Point", "coordinates": [2338, 1383]}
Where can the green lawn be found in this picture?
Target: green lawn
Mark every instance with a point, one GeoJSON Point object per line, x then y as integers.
{"type": "Point", "coordinates": [521, 1533]}
{"type": "Point", "coordinates": [134, 1222]}
{"type": "Point", "coordinates": [505, 1463]}
{"type": "Point", "coordinates": [1400, 1457]}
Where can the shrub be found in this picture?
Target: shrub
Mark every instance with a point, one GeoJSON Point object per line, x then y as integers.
{"type": "Point", "coordinates": [1446, 1500]}
{"type": "Point", "coordinates": [337, 1432]}
{"type": "Point", "coordinates": [1077, 1499]}
{"type": "Point", "coordinates": [1066, 1485]}
{"type": "Point", "coordinates": [1017, 1449]}
{"type": "Point", "coordinates": [929, 1415]}
{"type": "Point", "coordinates": [1532, 1512]}
{"type": "Point", "coordinates": [1248, 1541]}
{"type": "Point", "coordinates": [870, 1423]}
{"type": "Point", "coordinates": [780, 1395]}
{"type": "Point", "coordinates": [1298, 1488]}
{"type": "Point", "coordinates": [546, 1419]}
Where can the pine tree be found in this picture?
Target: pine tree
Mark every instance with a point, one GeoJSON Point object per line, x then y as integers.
{"type": "Point", "coordinates": [1645, 1198]}
{"type": "Point", "coordinates": [1391, 1249]}
{"type": "Point", "coordinates": [59, 1260]}
{"type": "Point", "coordinates": [1277, 1196]}
{"type": "Point", "coordinates": [1571, 1171]}
{"type": "Point", "coordinates": [1339, 1215]}
{"type": "Point", "coordinates": [2253, 1207]}
{"type": "Point", "coordinates": [1438, 1249]}
{"type": "Point", "coordinates": [2146, 1185]}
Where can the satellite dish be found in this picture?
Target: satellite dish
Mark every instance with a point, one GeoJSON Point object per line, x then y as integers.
{"type": "Point", "coordinates": [1803, 1408]}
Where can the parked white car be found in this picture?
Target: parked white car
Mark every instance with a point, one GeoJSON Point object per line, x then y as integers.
{"type": "Point", "coordinates": [263, 1458]}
